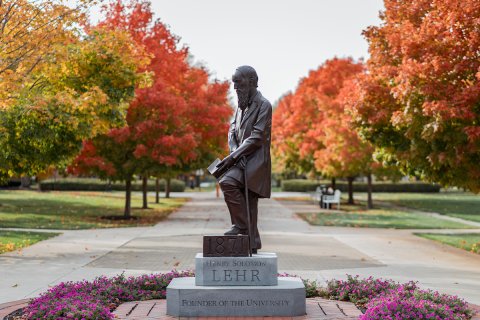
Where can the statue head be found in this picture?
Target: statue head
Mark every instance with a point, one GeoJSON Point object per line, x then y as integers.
{"type": "Point", "coordinates": [245, 83]}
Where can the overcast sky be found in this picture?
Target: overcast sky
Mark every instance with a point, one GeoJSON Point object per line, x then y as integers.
{"type": "Point", "coordinates": [281, 39]}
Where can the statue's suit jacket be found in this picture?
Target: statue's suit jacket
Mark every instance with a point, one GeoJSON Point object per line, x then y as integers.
{"type": "Point", "coordinates": [250, 137]}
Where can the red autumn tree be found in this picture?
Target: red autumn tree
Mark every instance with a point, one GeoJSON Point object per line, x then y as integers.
{"type": "Point", "coordinates": [286, 138]}
{"type": "Point", "coordinates": [291, 121]}
{"type": "Point", "coordinates": [182, 119]}
{"type": "Point", "coordinates": [109, 156]}
{"type": "Point", "coordinates": [419, 104]}
{"type": "Point", "coordinates": [317, 124]}
{"type": "Point", "coordinates": [179, 120]}
{"type": "Point", "coordinates": [182, 133]}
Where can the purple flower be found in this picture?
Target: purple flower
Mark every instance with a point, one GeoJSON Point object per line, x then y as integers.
{"type": "Point", "coordinates": [386, 299]}
{"type": "Point", "coordinates": [96, 299]}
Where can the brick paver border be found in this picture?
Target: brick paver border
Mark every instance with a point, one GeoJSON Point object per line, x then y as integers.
{"type": "Point", "coordinates": [317, 308]}
{"type": "Point", "coordinates": [9, 307]}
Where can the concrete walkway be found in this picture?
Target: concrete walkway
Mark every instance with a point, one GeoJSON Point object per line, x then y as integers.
{"type": "Point", "coordinates": [320, 253]}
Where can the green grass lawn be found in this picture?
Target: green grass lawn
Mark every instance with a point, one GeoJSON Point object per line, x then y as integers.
{"type": "Point", "coordinates": [456, 204]}
{"type": "Point", "coordinates": [77, 210]}
{"type": "Point", "coordinates": [14, 240]}
{"type": "Point", "coordinates": [467, 241]}
{"type": "Point", "coordinates": [357, 216]}
{"type": "Point", "coordinates": [382, 216]}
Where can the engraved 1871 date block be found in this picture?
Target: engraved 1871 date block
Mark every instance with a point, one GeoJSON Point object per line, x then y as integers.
{"type": "Point", "coordinates": [225, 246]}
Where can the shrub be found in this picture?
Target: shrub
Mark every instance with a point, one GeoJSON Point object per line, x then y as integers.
{"type": "Point", "coordinates": [381, 299]}
{"type": "Point", "coordinates": [301, 185]}
{"type": "Point", "coordinates": [391, 307]}
{"type": "Point", "coordinates": [358, 291]}
{"type": "Point", "coordinates": [410, 303]}
{"type": "Point", "coordinates": [92, 184]}
{"type": "Point", "coordinates": [311, 288]}
{"type": "Point", "coordinates": [387, 299]}
{"type": "Point", "coordinates": [96, 299]}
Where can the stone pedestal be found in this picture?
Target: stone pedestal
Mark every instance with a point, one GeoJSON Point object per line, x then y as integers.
{"type": "Point", "coordinates": [185, 299]}
{"type": "Point", "coordinates": [236, 287]}
{"type": "Point", "coordinates": [258, 270]}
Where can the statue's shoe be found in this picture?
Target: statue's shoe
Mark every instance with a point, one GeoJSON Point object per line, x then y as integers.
{"type": "Point", "coordinates": [234, 230]}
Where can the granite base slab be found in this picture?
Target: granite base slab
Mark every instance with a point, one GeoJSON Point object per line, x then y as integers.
{"type": "Point", "coordinates": [185, 299]}
{"type": "Point", "coordinates": [258, 270]}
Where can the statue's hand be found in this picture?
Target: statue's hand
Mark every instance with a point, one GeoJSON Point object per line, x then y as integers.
{"type": "Point", "coordinates": [225, 164]}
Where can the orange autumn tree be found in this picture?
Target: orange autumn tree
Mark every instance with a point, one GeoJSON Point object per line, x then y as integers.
{"type": "Point", "coordinates": [31, 32]}
{"type": "Point", "coordinates": [177, 124]}
{"type": "Point", "coordinates": [317, 125]}
{"type": "Point", "coordinates": [419, 104]}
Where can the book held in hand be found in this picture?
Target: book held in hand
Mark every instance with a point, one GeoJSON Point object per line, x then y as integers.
{"type": "Point", "coordinates": [213, 169]}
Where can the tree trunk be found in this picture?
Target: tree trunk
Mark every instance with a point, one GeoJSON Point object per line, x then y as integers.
{"type": "Point", "coordinates": [25, 182]}
{"type": "Point", "coordinates": [167, 188]}
{"type": "Point", "coordinates": [350, 190]}
{"type": "Point", "coordinates": [369, 190]}
{"type": "Point", "coordinates": [157, 190]}
{"type": "Point", "coordinates": [333, 183]}
{"type": "Point", "coordinates": [128, 198]}
{"type": "Point", "coordinates": [145, 192]}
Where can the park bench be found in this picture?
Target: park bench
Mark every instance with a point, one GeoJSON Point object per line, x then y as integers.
{"type": "Point", "coordinates": [329, 199]}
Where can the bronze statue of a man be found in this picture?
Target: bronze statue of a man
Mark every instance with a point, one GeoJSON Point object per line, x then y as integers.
{"type": "Point", "coordinates": [249, 143]}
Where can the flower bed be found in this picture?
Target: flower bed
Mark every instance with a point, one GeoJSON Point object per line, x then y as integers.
{"type": "Point", "coordinates": [379, 299]}
{"type": "Point", "coordinates": [389, 300]}
{"type": "Point", "coordinates": [98, 298]}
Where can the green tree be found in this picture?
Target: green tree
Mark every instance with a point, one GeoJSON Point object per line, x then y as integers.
{"type": "Point", "coordinates": [79, 88]}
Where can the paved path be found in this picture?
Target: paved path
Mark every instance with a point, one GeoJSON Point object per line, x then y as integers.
{"type": "Point", "coordinates": [406, 257]}
{"type": "Point", "coordinates": [320, 253]}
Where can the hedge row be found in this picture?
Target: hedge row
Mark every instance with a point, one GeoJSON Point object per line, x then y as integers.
{"type": "Point", "coordinates": [300, 185]}
{"type": "Point", "coordinates": [88, 184]}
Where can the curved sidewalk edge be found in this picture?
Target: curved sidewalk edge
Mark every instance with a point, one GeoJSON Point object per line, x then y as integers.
{"type": "Point", "coordinates": [9, 307]}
